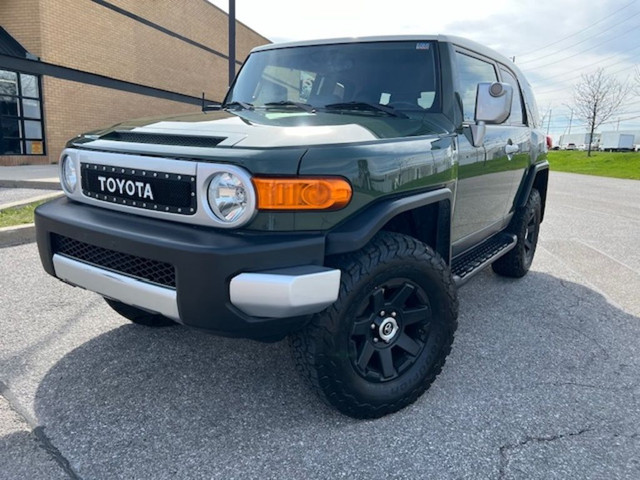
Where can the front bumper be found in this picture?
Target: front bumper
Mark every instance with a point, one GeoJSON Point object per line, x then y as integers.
{"type": "Point", "coordinates": [253, 285]}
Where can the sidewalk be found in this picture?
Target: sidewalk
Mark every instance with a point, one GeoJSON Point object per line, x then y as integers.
{"type": "Point", "coordinates": [23, 185]}
{"type": "Point", "coordinates": [43, 177]}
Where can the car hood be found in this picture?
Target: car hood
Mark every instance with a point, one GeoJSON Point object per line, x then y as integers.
{"type": "Point", "coordinates": [261, 129]}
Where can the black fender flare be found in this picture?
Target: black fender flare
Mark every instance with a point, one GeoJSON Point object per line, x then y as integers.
{"type": "Point", "coordinates": [530, 181]}
{"type": "Point", "coordinates": [357, 231]}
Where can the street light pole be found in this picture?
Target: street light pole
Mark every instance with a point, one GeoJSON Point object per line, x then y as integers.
{"type": "Point", "coordinates": [232, 40]}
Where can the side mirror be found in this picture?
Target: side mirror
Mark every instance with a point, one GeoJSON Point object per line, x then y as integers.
{"type": "Point", "coordinates": [493, 106]}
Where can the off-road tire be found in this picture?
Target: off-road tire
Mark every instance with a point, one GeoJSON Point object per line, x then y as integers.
{"type": "Point", "coordinates": [526, 226]}
{"type": "Point", "coordinates": [139, 316]}
{"type": "Point", "coordinates": [405, 277]}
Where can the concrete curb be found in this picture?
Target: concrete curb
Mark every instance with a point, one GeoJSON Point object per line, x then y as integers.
{"type": "Point", "coordinates": [17, 235]}
{"type": "Point", "coordinates": [37, 184]}
{"type": "Point", "coordinates": [37, 198]}
{"type": "Point", "coordinates": [26, 233]}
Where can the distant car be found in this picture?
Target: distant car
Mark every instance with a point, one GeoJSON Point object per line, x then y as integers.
{"type": "Point", "coordinates": [584, 147]}
{"type": "Point", "coordinates": [571, 146]}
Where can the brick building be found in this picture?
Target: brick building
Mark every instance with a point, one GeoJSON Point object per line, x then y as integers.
{"type": "Point", "coordinates": [68, 66]}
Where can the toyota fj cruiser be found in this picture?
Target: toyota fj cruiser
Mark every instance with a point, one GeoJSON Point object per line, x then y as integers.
{"type": "Point", "coordinates": [339, 195]}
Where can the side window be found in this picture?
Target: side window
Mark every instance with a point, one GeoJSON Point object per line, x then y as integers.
{"type": "Point", "coordinates": [472, 71]}
{"type": "Point", "coordinates": [516, 117]}
{"type": "Point", "coordinates": [532, 107]}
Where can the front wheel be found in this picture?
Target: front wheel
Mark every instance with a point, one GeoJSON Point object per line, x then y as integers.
{"type": "Point", "coordinates": [386, 338]}
{"type": "Point", "coordinates": [141, 317]}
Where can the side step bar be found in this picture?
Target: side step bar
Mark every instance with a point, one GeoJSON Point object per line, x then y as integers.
{"type": "Point", "coordinates": [465, 266]}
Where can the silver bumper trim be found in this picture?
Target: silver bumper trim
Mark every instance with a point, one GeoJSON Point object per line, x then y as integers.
{"type": "Point", "coordinates": [118, 287]}
{"type": "Point", "coordinates": [285, 292]}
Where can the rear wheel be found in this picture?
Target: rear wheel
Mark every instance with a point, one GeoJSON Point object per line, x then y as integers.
{"type": "Point", "coordinates": [141, 317]}
{"type": "Point", "coordinates": [382, 343]}
{"type": "Point", "coordinates": [526, 226]}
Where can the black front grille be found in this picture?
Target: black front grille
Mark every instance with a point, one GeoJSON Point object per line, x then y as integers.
{"type": "Point", "coordinates": [163, 139]}
{"type": "Point", "coordinates": [160, 191]}
{"type": "Point", "coordinates": [152, 271]}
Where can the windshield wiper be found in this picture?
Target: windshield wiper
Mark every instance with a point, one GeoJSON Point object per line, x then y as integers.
{"type": "Point", "coordinates": [238, 105]}
{"type": "Point", "coordinates": [288, 103]}
{"type": "Point", "coordinates": [364, 106]}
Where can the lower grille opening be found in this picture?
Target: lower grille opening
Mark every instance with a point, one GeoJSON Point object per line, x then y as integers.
{"type": "Point", "coordinates": [152, 271]}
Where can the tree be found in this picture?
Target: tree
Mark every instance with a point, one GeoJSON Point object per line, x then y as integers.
{"type": "Point", "coordinates": [545, 117]}
{"type": "Point", "coordinates": [597, 98]}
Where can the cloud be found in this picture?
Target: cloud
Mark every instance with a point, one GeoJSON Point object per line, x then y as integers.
{"type": "Point", "coordinates": [600, 34]}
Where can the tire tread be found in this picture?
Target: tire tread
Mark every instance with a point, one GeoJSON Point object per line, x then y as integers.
{"type": "Point", "coordinates": [513, 264]}
{"type": "Point", "coordinates": [312, 365]}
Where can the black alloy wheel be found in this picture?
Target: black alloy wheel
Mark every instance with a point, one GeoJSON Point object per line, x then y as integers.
{"type": "Point", "coordinates": [525, 224]}
{"type": "Point", "coordinates": [530, 239]}
{"type": "Point", "coordinates": [387, 336]}
{"type": "Point", "coordinates": [391, 330]}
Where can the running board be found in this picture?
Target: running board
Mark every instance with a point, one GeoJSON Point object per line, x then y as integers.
{"type": "Point", "coordinates": [464, 267]}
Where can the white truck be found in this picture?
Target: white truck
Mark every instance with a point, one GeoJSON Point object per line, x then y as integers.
{"type": "Point", "coordinates": [616, 142]}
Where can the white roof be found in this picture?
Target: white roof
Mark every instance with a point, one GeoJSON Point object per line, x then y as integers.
{"type": "Point", "coordinates": [460, 41]}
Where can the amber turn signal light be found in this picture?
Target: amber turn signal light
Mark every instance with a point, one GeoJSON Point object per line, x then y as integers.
{"type": "Point", "coordinates": [302, 193]}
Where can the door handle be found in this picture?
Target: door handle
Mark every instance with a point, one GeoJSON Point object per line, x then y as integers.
{"type": "Point", "coordinates": [511, 149]}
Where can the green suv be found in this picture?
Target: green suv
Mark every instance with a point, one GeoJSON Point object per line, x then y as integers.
{"type": "Point", "coordinates": [340, 195]}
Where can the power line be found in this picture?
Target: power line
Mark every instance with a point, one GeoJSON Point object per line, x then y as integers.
{"type": "Point", "coordinates": [619, 120]}
{"type": "Point", "coordinates": [602, 60]}
{"type": "Point", "coordinates": [559, 124]}
{"type": "Point", "coordinates": [578, 32]}
{"type": "Point", "coordinates": [590, 48]}
{"type": "Point", "coordinates": [543, 91]}
{"type": "Point", "coordinates": [582, 41]}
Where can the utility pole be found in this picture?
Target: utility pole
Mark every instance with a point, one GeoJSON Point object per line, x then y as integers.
{"type": "Point", "coordinates": [232, 41]}
{"type": "Point", "coordinates": [570, 121]}
{"type": "Point", "coordinates": [549, 122]}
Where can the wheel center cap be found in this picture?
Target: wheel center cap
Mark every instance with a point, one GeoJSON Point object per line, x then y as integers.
{"type": "Point", "coordinates": [388, 329]}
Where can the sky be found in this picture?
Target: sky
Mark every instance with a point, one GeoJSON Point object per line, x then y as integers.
{"type": "Point", "coordinates": [554, 42]}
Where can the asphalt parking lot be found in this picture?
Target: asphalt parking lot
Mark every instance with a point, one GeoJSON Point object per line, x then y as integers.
{"type": "Point", "coordinates": [543, 380]}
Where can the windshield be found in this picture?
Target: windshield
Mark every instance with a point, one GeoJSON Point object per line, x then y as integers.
{"type": "Point", "coordinates": [377, 78]}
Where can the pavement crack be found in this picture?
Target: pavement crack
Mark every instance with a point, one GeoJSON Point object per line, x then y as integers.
{"type": "Point", "coordinates": [42, 440]}
{"type": "Point", "coordinates": [505, 449]}
{"type": "Point", "coordinates": [588, 337]}
{"type": "Point", "coordinates": [45, 443]}
{"type": "Point", "coordinates": [17, 406]}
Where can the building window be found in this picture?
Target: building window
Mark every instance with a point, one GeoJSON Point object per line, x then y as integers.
{"type": "Point", "coordinates": [21, 130]}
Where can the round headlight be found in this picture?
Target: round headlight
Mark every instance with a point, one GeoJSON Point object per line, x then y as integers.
{"type": "Point", "coordinates": [231, 198]}
{"type": "Point", "coordinates": [69, 174]}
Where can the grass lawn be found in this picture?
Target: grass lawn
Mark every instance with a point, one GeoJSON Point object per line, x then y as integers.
{"type": "Point", "coordinates": [11, 217]}
{"type": "Point", "coordinates": [603, 164]}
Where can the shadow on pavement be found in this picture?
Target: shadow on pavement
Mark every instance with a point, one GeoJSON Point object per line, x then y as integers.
{"type": "Point", "coordinates": [165, 403]}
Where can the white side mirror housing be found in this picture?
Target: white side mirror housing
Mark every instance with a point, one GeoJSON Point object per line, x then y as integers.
{"type": "Point", "coordinates": [493, 106]}
{"type": "Point", "coordinates": [493, 102]}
